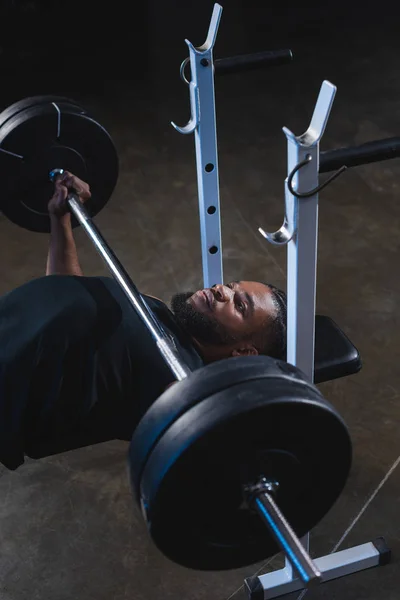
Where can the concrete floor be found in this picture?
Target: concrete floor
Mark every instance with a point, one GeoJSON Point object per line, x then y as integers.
{"type": "Point", "coordinates": [67, 524]}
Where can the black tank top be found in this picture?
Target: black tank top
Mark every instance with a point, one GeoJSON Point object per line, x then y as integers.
{"type": "Point", "coordinates": [73, 351]}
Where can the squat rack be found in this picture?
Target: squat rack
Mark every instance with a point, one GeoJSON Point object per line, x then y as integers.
{"type": "Point", "coordinates": [299, 233]}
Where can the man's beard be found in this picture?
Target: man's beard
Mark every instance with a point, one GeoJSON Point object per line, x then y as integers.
{"type": "Point", "coordinates": [201, 326]}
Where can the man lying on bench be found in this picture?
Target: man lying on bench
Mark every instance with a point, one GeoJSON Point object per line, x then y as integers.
{"type": "Point", "coordinates": [74, 355]}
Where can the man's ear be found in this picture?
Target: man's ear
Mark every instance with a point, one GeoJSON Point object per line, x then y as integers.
{"type": "Point", "coordinates": [245, 351]}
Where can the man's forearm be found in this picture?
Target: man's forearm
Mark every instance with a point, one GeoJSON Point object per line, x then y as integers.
{"type": "Point", "coordinates": [62, 258]}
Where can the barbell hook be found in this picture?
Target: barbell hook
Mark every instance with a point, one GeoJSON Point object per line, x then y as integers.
{"type": "Point", "coordinates": [282, 236]}
{"type": "Point", "coordinates": [194, 118]}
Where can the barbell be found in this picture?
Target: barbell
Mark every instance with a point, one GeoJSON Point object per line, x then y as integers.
{"type": "Point", "coordinates": [235, 441]}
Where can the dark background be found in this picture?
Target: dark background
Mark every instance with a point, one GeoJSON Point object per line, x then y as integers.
{"type": "Point", "coordinates": [51, 45]}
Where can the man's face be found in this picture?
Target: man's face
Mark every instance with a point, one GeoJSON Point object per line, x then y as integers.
{"type": "Point", "coordinates": [224, 314]}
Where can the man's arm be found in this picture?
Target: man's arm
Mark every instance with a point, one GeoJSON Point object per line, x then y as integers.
{"type": "Point", "coordinates": [62, 258]}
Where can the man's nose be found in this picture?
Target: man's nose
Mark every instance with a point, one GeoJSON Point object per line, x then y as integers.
{"type": "Point", "coordinates": [221, 292]}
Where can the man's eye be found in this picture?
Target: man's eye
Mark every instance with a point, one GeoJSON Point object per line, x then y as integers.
{"type": "Point", "coordinates": [241, 307]}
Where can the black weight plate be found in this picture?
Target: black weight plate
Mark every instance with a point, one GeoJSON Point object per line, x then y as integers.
{"type": "Point", "coordinates": [14, 109]}
{"type": "Point", "coordinates": [191, 486]}
{"type": "Point", "coordinates": [200, 384]}
{"type": "Point", "coordinates": [41, 138]}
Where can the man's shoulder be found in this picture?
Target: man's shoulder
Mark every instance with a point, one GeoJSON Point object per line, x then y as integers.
{"type": "Point", "coordinates": [166, 318]}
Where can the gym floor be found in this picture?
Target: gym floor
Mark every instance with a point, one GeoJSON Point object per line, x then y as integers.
{"type": "Point", "coordinates": [68, 527]}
